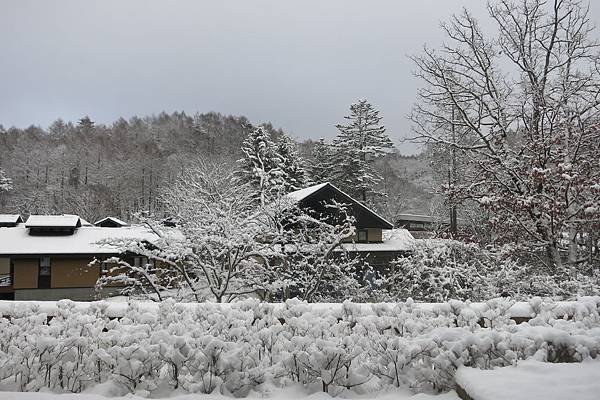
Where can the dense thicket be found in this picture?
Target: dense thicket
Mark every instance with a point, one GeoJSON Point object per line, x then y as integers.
{"type": "Point", "coordinates": [251, 346]}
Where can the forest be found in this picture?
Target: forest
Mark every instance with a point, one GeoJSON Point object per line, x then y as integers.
{"type": "Point", "coordinates": [95, 170]}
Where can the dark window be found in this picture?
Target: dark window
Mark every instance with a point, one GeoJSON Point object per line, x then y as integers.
{"type": "Point", "coordinates": [362, 235]}
{"type": "Point", "coordinates": [44, 273]}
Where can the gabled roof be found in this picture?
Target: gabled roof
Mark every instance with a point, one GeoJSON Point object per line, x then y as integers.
{"type": "Point", "coordinates": [304, 197]}
{"type": "Point", "coordinates": [110, 222]}
{"type": "Point", "coordinates": [11, 219]}
{"type": "Point", "coordinates": [53, 221]}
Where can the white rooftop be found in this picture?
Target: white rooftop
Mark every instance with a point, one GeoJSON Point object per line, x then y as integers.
{"type": "Point", "coordinates": [17, 240]}
{"type": "Point", "coordinates": [9, 218]}
{"type": "Point", "coordinates": [58, 221]}
{"type": "Point", "coordinates": [398, 239]}
{"type": "Point", "coordinates": [301, 194]}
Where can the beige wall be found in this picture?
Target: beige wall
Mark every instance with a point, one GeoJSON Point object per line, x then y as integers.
{"type": "Point", "coordinates": [4, 266]}
{"type": "Point", "coordinates": [26, 273]}
{"type": "Point", "coordinates": [73, 273]}
{"type": "Point", "coordinates": [375, 235]}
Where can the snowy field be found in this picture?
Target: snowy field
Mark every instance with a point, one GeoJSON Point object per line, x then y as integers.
{"type": "Point", "coordinates": [289, 350]}
{"type": "Point", "coordinates": [287, 394]}
{"type": "Point", "coordinates": [533, 380]}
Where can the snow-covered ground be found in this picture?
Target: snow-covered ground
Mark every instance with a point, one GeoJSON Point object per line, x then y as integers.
{"type": "Point", "coordinates": [349, 350]}
{"type": "Point", "coordinates": [103, 392]}
{"type": "Point", "coordinates": [533, 380]}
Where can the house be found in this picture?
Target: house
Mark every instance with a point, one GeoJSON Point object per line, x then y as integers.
{"type": "Point", "coordinates": [375, 240]}
{"type": "Point", "coordinates": [10, 220]}
{"type": "Point", "coordinates": [48, 256]}
{"type": "Point", "coordinates": [420, 226]}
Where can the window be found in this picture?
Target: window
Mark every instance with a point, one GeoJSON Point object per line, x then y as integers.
{"type": "Point", "coordinates": [141, 262]}
{"type": "Point", "coordinates": [44, 273]}
{"type": "Point", "coordinates": [362, 235]}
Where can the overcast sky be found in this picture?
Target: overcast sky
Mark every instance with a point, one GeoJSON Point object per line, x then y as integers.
{"type": "Point", "coordinates": [298, 64]}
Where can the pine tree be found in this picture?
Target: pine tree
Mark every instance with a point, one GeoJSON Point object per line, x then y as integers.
{"type": "Point", "coordinates": [261, 166]}
{"type": "Point", "coordinates": [294, 173]}
{"type": "Point", "coordinates": [320, 169]}
{"type": "Point", "coordinates": [356, 148]}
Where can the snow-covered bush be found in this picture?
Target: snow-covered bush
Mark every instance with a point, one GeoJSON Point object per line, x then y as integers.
{"type": "Point", "coordinates": [438, 270]}
{"type": "Point", "coordinates": [251, 346]}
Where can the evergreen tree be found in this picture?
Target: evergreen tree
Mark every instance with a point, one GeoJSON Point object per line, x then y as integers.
{"type": "Point", "coordinates": [355, 149]}
{"type": "Point", "coordinates": [320, 169]}
{"type": "Point", "coordinates": [294, 173]}
{"type": "Point", "coordinates": [261, 166]}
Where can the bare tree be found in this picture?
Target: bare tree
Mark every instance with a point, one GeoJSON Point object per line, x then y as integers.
{"type": "Point", "coordinates": [521, 111]}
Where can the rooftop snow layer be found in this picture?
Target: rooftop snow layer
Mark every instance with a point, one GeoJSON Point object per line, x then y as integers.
{"type": "Point", "coordinates": [53, 221]}
{"type": "Point", "coordinates": [9, 218]}
{"type": "Point", "coordinates": [17, 240]}
{"type": "Point", "coordinates": [301, 194]}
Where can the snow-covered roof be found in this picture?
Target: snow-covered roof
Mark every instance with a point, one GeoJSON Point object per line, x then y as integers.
{"type": "Point", "coordinates": [17, 240]}
{"type": "Point", "coordinates": [393, 240]}
{"type": "Point", "coordinates": [305, 193]}
{"type": "Point", "coordinates": [114, 220]}
{"type": "Point", "coordinates": [9, 218]}
{"type": "Point", "coordinates": [301, 194]}
{"type": "Point", "coordinates": [53, 221]}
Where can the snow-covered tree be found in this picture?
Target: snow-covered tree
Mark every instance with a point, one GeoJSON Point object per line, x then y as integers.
{"type": "Point", "coordinates": [217, 254]}
{"type": "Point", "coordinates": [527, 137]}
{"type": "Point", "coordinates": [321, 164]}
{"type": "Point", "coordinates": [308, 260]}
{"type": "Point", "coordinates": [261, 166]}
{"type": "Point", "coordinates": [356, 147]}
{"type": "Point", "coordinates": [5, 182]}
{"type": "Point", "coordinates": [293, 171]}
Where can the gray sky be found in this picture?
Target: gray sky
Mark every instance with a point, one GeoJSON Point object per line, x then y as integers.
{"type": "Point", "coordinates": [298, 64]}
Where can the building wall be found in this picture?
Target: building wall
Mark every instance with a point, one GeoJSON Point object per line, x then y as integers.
{"type": "Point", "coordinates": [375, 235]}
{"type": "Point", "coordinates": [76, 294]}
{"type": "Point", "coordinates": [73, 273]}
{"type": "Point", "coordinates": [25, 273]}
{"type": "Point", "coordinates": [4, 265]}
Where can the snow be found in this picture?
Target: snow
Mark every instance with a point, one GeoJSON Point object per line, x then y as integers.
{"type": "Point", "coordinates": [294, 393]}
{"type": "Point", "coordinates": [533, 380]}
{"type": "Point", "coordinates": [9, 218]}
{"type": "Point", "coordinates": [301, 194]}
{"type": "Point", "coordinates": [17, 240]}
{"type": "Point", "coordinates": [62, 221]}
{"type": "Point", "coordinates": [117, 307]}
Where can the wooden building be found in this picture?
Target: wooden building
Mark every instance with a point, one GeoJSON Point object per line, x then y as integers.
{"type": "Point", "coordinates": [375, 240]}
{"type": "Point", "coordinates": [48, 257]}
